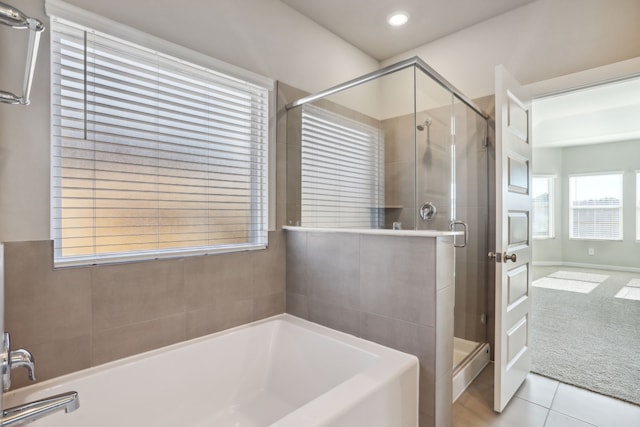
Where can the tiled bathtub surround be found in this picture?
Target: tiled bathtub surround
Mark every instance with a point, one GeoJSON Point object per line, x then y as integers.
{"type": "Point", "coordinates": [74, 318]}
{"type": "Point", "coordinates": [394, 290]}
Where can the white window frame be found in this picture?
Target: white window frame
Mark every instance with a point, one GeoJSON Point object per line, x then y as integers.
{"type": "Point", "coordinates": [572, 236]}
{"type": "Point", "coordinates": [62, 11]}
{"type": "Point", "coordinates": [551, 180]}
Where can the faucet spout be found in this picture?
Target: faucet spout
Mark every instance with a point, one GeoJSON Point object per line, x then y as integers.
{"type": "Point", "coordinates": [32, 411]}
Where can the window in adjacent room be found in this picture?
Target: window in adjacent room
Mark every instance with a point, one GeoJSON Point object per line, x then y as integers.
{"type": "Point", "coordinates": [342, 182]}
{"type": "Point", "coordinates": [152, 156]}
{"type": "Point", "coordinates": [543, 207]}
{"type": "Point", "coordinates": [595, 206]}
{"type": "Point", "coordinates": [637, 205]}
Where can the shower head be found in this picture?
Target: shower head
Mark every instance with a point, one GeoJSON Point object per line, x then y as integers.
{"type": "Point", "coordinates": [424, 125]}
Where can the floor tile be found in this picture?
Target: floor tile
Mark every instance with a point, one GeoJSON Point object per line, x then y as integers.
{"type": "Point", "coordinates": [474, 408]}
{"type": "Point", "coordinates": [556, 419]}
{"type": "Point", "coordinates": [538, 389]}
{"type": "Point", "coordinates": [570, 406]}
{"type": "Point", "coordinates": [519, 413]}
{"type": "Point", "coordinates": [594, 408]}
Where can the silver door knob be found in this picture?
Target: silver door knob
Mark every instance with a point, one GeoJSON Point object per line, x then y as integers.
{"type": "Point", "coordinates": [511, 257]}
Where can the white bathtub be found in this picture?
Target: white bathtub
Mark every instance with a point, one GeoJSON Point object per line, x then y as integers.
{"type": "Point", "coordinates": [282, 371]}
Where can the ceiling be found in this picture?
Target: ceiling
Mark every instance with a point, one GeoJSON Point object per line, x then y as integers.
{"type": "Point", "coordinates": [363, 22]}
{"type": "Point", "coordinates": [598, 114]}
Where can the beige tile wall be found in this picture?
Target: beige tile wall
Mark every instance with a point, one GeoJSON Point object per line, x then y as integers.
{"type": "Point", "coordinates": [75, 318]}
{"type": "Point", "coordinates": [397, 291]}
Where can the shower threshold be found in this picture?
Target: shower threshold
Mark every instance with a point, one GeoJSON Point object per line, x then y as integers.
{"type": "Point", "coordinates": [468, 367]}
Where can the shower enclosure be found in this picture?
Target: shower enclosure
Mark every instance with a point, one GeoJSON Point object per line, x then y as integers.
{"type": "Point", "coordinates": [399, 148]}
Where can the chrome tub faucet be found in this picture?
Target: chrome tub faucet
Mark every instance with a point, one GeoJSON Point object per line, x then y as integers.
{"type": "Point", "coordinates": [28, 412]}
{"type": "Point", "coordinates": [14, 359]}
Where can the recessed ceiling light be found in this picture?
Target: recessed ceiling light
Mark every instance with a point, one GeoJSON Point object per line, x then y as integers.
{"type": "Point", "coordinates": [398, 19]}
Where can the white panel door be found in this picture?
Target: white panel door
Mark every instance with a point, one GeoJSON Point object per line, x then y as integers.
{"type": "Point", "coordinates": [513, 237]}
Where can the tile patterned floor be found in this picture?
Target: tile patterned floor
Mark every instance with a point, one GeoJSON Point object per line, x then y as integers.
{"type": "Point", "coordinates": [541, 402]}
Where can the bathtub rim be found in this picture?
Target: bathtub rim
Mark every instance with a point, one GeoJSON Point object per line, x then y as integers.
{"type": "Point", "coordinates": [387, 357]}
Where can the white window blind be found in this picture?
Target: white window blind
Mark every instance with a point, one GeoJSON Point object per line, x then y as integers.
{"type": "Point", "coordinates": [151, 156]}
{"type": "Point", "coordinates": [595, 203]}
{"type": "Point", "coordinates": [342, 182]}
{"type": "Point", "coordinates": [543, 194]}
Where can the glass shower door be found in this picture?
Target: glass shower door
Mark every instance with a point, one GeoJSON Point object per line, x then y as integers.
{"type": "Point", "coordinates": [432, 127]}
{"type": "Point", "coordinates": [470, 206]}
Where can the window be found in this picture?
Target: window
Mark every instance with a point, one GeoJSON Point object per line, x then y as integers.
{"type": "Point", "coordinates": [637, 205]}
{"type": "Point", "coordinates": [543, 196]}
{"type": "Point", "coordinates": [152, 156]}
{"type": "Point", "coordinates": [595, 203]}
{"type": "Point", "coordinates": [342, 183]}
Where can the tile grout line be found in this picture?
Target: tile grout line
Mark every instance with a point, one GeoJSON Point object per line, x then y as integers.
{"type": "Point", "coordinates": [555, 393]}
{"type": "Point", "coordinates": [553, 398]}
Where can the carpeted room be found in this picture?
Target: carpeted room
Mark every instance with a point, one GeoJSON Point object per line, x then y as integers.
{"type": "Point", "coordinates": [586, 226]}
{"type": "Point", "coordinates": [585, 329]}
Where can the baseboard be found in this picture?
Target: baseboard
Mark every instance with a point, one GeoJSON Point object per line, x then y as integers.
{"type": "Point", "coordinates": [603, 267]}
{"type": "Point", "coordinates": [581, 265]}
{"type": "Point", "coordinates": [547, 263]}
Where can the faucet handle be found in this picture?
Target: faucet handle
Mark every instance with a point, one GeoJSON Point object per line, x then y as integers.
{"type": "Point", "coordinates": [24, 358]}
{"type": "Point", "coordinates": [13, 359]}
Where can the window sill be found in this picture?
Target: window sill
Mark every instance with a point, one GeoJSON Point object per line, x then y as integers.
{"type": "Point", "coordinates": [156, 256]}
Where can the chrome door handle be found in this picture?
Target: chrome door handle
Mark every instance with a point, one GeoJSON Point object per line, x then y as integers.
{"type": "Point", "coordinates": [512, 257]}
{"type": "Point", "coordinates": [465, 228]}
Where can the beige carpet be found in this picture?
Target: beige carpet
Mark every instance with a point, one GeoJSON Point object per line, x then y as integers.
{"type": "Point", "coordinates": [591, 340]}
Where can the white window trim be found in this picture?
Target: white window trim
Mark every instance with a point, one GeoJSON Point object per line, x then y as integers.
{"type": "Point", "coordinates": [615, 172]}
{"type": "Point", "coordinates": [105, 25]}
{"type": "Point", "coordinates": [58, 9]}
{"type": "Point", "coordinates": [552, 207]}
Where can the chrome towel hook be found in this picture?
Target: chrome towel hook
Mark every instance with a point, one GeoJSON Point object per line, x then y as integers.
{"type": "Point", "coordinates": [14, 18]}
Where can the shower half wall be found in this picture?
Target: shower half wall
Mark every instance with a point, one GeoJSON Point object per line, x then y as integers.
{"type": "Point", "coordinates": [372, 152]}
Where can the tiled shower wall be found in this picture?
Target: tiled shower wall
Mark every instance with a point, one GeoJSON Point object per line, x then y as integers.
{"type": "Point", "coordinates": [432, 156]}
{"type": "Point", "coordinates": [394, 290]}
{"type": "Point", "coordinates": [75, 318]}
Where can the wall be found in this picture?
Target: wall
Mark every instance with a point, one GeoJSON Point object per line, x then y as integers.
{"type": "Point", "coordinates": [619, 156]}
{"type": "Point", "coordinates": [394, 290]}
{"type": "Point", "coordinates": [539, 41]}
{"type": "Point", "coordinates": [418, 168]}
{"type": "Point", "coordinates": [611, 157]}
{"type": "Point", "coordinates": [74, 318]}
{"type": "Point", "coordinates": [548, 161]}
